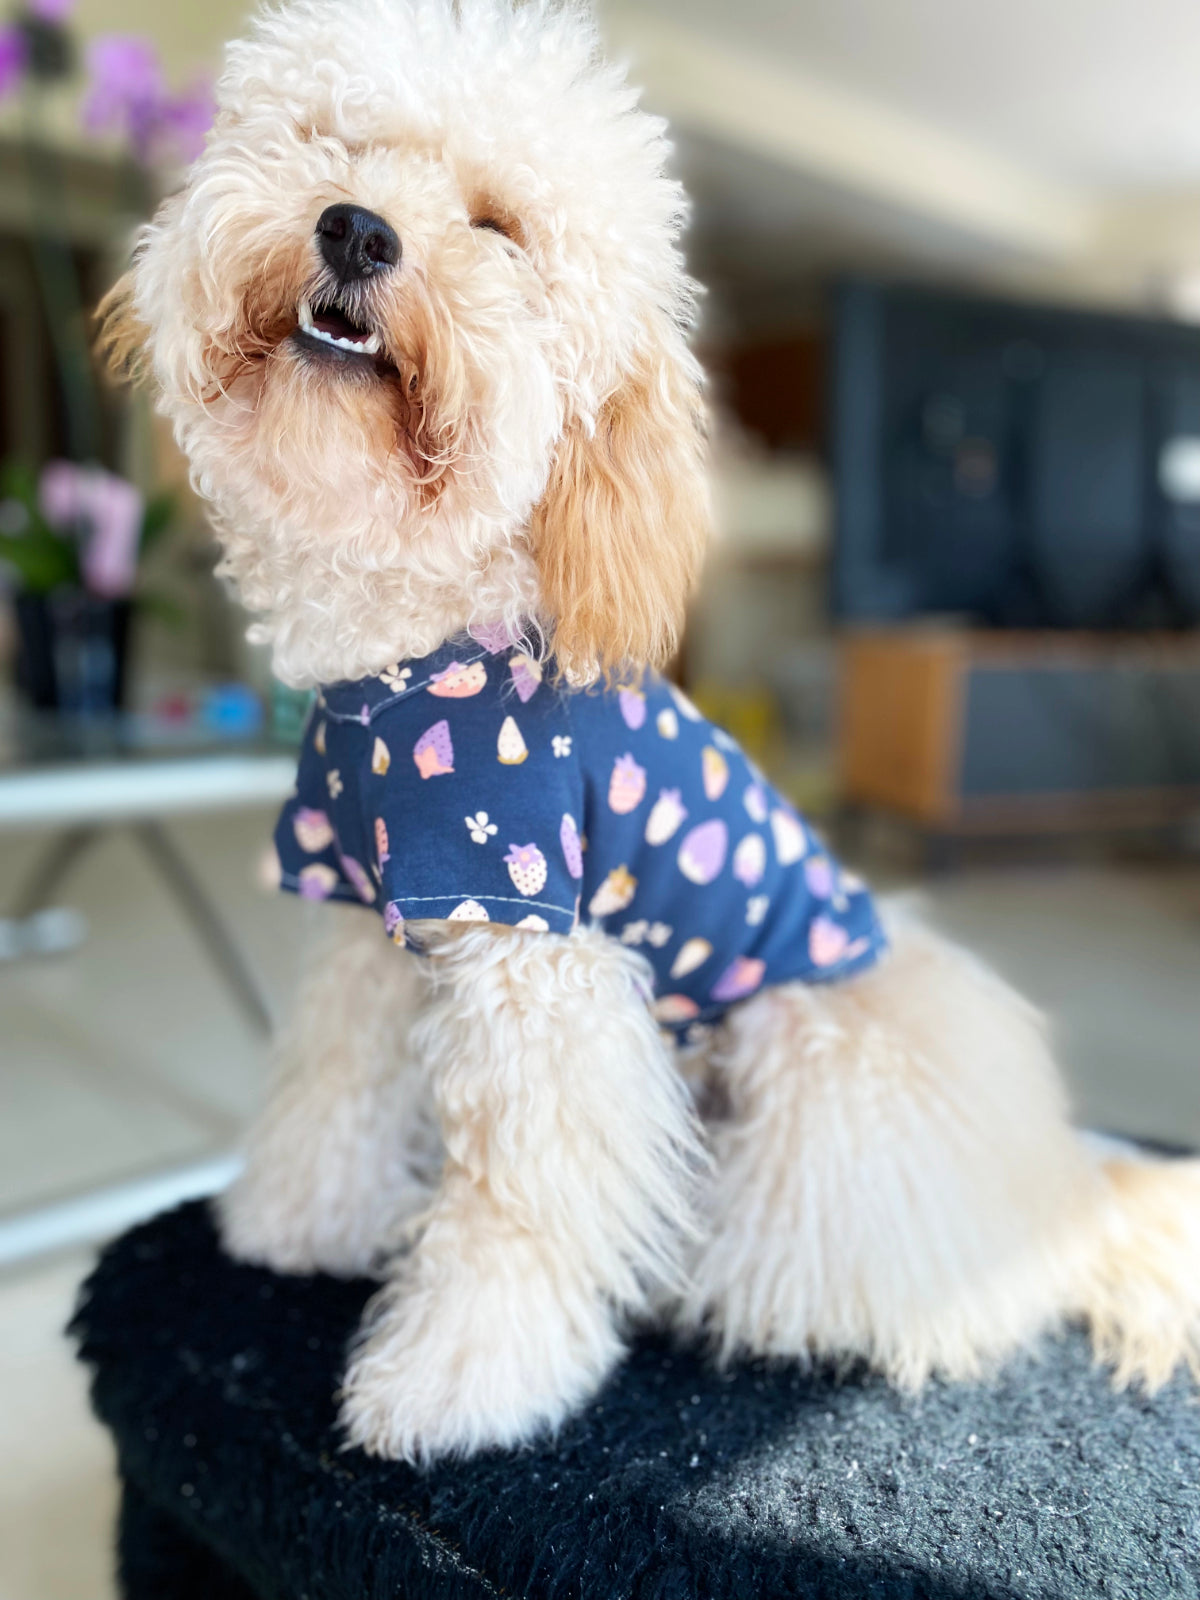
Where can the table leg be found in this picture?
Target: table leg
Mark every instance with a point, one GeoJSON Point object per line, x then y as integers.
{"type": "Point", "coordinates": [201, 913]}
{"type": "Point", "coordinates": [51, 868]}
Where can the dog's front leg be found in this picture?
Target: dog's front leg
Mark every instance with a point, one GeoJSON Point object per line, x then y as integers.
{"type": "Point", "coordinates": [345, 1151]}
{"type": "Point", "coordinates": [566, 1191]}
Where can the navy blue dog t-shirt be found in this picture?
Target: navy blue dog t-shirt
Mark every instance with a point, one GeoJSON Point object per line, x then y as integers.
{"type": "Point", "coordinates": [470, 786]}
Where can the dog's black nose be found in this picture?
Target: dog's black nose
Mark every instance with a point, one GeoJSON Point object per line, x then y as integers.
{"type": "Point", "coordinates": [355, 242]}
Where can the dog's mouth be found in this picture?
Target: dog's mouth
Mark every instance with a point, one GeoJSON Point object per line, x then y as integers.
{"type": "Point", "coordinates": [326, 327]}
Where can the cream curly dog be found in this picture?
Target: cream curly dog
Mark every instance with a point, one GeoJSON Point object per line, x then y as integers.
{"type": "Point", "coordinates": [419, 319]}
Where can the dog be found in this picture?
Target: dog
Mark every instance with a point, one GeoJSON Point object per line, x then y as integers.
{"type": "Point", "coordinates": [420, 320]}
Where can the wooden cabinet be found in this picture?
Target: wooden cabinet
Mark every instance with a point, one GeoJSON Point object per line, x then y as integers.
{"type": "Point", "coordinates": [970, 731]}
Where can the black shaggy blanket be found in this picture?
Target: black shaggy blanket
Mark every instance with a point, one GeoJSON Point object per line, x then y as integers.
{"type": "Point", "coordinates": [678, 1483]}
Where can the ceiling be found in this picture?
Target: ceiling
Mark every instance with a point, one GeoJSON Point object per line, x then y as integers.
{"type": "Point", "coordinates": [1102, 93]}
{"type": "Point", "coordinates": [1047, 145]}
{"type": "Point", "coordinates": [765, 236]}
{"type": "Point", "coordinates": [1039, 146]}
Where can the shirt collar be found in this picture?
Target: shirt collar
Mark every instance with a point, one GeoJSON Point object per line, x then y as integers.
{"type": "Point", "coordinates": [363, 700]}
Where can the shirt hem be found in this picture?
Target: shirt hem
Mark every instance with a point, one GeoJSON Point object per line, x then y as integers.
{"type": "Point", "coordinates": [409, 904]}
{"type": "Point", "coordinates": [290, 884]}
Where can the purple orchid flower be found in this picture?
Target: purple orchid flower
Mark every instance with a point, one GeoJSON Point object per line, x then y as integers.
{"type": "Point", "coordinates": [128, 94]}
{"type": "Point", "coordinates": [186, 120]}
{"type": "Point", "coordinates": [106, 511]}
{"type": "Point", "coordinates": [52, 11]}
{"type": "Point", "coordinates": [13, 59]}
{"type": "Point", "coordinates": [126, 90]}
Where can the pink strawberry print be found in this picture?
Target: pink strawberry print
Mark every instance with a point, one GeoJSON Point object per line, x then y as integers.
{"type": "Point", "coordinates": [750, 860]}
{"type": "Point", "coordinates": [312, 829]}
{"type": "Point", "coordinates": [626, 786]}
{"type": "Point", "coordinates": [827, 942]}
{"type": "Point", "coordinates": [434, 751]}
{"type": "Point", "coordinates": [526, 675]}
{"type": "Point", "coordinates": [363, 887]}
{"type": "Point", "coordinates": [818, 874]}
{"type": "Point", "coordinates": [633, 707]}
{"type": "Point", "coordinates": [494, 636]}
{"type": "Point", "coordinates": [317, 882]}
{"type": "Point", "coordinates": [393, 922]}
{"type": "Point", "coordinates": [572, 849]}
{"type": "Point", "coordinates": [673, 1009]}
{"type": "Point", "coordinates": [381, 841]}
{"type": "Point", "coordinates": [755, 802]}
{"type": "Point", "coordinates": [527, 868]}
{"type": "Point", "coordinates": [702, 853]}
{"type": "Point", "coordinates": [739, 979]}
{"type": "Point", "coordinates": [458, 681]}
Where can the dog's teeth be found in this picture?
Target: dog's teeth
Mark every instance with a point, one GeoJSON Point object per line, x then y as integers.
{"type": "Point", "coordinates": [369, 346]}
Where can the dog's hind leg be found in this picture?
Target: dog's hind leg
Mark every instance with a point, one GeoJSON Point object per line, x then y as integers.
{"type": "Point", "coordinates": [571, 1151]}
{"type": "Point", "coordinates": [1136, 1270]}
{"type": "Point", "coordinates": [899, 1182]}
{"type": "Point", "coordinates": [346, 1149]}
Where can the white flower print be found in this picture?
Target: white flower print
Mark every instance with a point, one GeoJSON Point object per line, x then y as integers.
{"type": "Point", "coordinates": [333, 779]}
{"type": "Point", "coordinates": [756, 908]}
{"type": "Point", "coordinates": [481, 830]}
{"type": "Point", "coordinates": [635, 932]}
{"type": "Point", "coordinates": [396, 677]}
{"type": "Point", "coordinates": [658, 934]}
{"type": "Point", "coordinates": [561, 744]}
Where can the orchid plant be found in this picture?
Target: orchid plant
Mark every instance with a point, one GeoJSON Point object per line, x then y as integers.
{"type": "Point", "coordinates": [126, 91]}
{"type": "Point", "coordinates": [76, 525]}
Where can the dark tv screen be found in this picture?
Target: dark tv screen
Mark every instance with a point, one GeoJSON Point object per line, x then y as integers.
{"type": "Point", "coordinates": [1013, 465]}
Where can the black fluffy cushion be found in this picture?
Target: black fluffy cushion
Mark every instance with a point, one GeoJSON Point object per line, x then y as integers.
{"type": "Point", "coordinates": [218, 1384]}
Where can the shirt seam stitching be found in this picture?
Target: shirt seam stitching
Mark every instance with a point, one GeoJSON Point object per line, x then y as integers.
{"type": "Point", "coordinates": [395, 699]}
{"type": "Point", "coordinates": [499, 899]}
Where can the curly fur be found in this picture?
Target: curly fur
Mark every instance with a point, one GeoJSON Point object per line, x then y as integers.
{"type": "Point", "coordinates": [367, 522]}
{"type": "Point", "coordinates": [502, 1133]}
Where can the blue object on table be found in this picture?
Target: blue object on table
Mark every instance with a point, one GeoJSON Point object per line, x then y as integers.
{"type": "Point", "coordinates": [232, 710]}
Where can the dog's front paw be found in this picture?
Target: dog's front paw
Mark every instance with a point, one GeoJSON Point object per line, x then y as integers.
{"type": "Point", "coordinates": [275, 1222]}
{"type": "Point", "coordinates": [489, 1354]}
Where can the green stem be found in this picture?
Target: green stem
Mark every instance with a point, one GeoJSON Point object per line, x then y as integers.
{"type": "Point", "coordinates": [58, 280]}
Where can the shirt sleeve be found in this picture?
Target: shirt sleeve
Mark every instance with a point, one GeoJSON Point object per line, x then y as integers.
{"type": "Point", "coordinates": [310, 862]}
{"type": "Point", "coordinates": [477, 811]}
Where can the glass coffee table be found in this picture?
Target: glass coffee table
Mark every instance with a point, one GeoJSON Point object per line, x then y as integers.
{"type": "Point", "coordinates": [82, 781]}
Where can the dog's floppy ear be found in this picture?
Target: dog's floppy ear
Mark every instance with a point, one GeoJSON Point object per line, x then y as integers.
{"type": "Point", "coordinates": [121, 335]}
{"type": "Point", "coordinates": [619, 535]}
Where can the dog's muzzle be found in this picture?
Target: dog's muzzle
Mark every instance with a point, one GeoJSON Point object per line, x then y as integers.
{"type": "Point", "coordinates": [355, 243]}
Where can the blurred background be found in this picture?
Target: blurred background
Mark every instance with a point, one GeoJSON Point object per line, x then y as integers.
{"type": "Point", "coordinates": [953, 325]}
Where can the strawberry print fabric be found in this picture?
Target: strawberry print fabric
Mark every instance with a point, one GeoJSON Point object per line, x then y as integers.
{"type": "Point", "coordinates": [470, 786]}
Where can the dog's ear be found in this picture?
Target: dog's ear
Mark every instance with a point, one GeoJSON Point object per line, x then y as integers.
{"type": "Point", "coordinates": [121, 335]}
{"type": "Point", "coordinates": [620, 533]}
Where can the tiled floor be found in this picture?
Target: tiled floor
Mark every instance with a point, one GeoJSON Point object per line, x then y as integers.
{"type": "Point", "coordinates": [1113, 956]}
{"type": "Point", "coordinates": [127, 1056]}
{"type": "Point", "coordinates": [57, 1486]}
{"type": "Point", "coordinates": [124, 1057]}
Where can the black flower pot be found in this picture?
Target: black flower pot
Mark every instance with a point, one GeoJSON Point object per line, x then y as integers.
{"type": "Point", "coordinates": [72, 651]}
